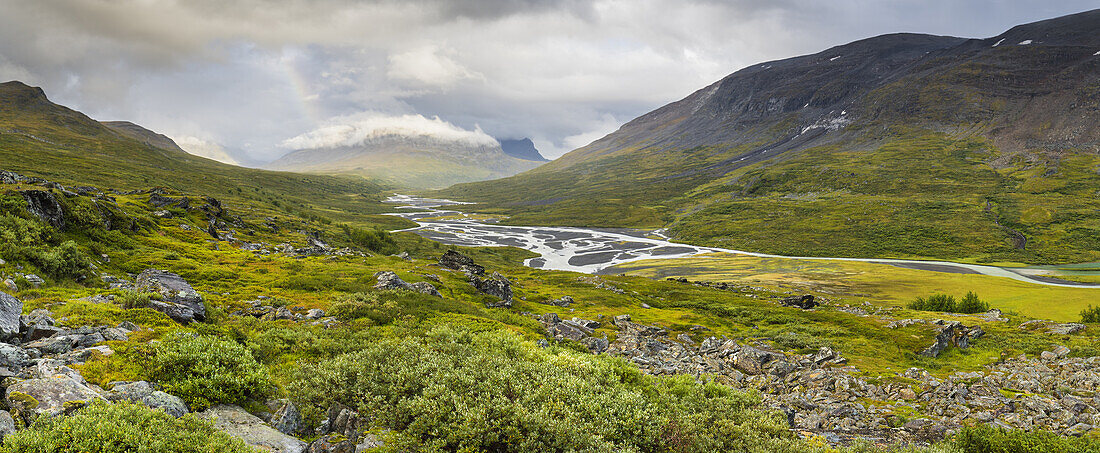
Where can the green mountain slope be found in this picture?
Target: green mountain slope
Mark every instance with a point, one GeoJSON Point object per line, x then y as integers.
{"type": "Point", "coordinates": [43, 139]}
{"type": "Point", "coordinates": [896, 146]}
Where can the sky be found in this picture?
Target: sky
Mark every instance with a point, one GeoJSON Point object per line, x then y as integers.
{"type": "Point", "coordinates": [246, 81]}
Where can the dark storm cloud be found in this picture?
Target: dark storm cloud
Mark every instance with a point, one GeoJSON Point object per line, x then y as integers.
{"type": "Point", "coordinates": [244, 76]}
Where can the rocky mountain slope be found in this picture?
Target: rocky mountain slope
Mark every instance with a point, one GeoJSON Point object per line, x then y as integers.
{"type": "Point", "coordinates": [522, 149]}
{"type": "Point", "coordinates": [416, 162]}
{"type": "Point", "coordinates": [898, 145]}
{"type": "Point", "coordinates": [43, 139]}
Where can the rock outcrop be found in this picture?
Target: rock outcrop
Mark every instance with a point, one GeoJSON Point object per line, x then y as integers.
{"type": "Point", "coordinates": [180, 301]}
{"type": "Point", "coordinates": [497, 286]}
{"type": "Point", "coordinates": [237, 422]}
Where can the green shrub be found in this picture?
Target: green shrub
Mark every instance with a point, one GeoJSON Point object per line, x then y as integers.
{"type": "Point", "coordinates": [454, 390]}
{"type": "Point", "coordinates": [129, 298]}
{"type": "Point", "coordinates": [375, 239]}
{"type": "Point", "coordinates": [987, 439]}
{"type": "Point", "coordinates": [122, 428]}
{"type": "Point", "coordinates": [206, 370]}
{"type": "Point", "coordinates": [946, 303]}
{"type": "Point", "coordinates": [971, 304]}
{"type": "Point", "coordinates": [935, 302]}
{"type": "Point", "coordinates": [1090, 314]}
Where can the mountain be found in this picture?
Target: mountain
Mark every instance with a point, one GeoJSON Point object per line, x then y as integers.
{"type": "Point", "coordinates": [522, 149]}
{"type": "Point", "coordinates": [143, 135]}
{"type": "Point", "coordinates": [46, 140]}
{"type": "Point", "coordinates": [902, 145]}
{"type": "Point", "coordinates": [408, 161]}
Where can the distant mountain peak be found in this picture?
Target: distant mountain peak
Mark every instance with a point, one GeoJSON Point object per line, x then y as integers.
{"type": "Point", "coordinates": [522, 148]}
{"type": "Point", "coordinates": [19, 93]}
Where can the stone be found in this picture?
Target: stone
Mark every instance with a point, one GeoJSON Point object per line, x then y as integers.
{"type": "Point", "coordinates": [143, 393]}
{"type": "Point", "coordinates": [44, 205]}
{"type": "Point", "coordinates": [315, 313]}
{"type": "Point", "coordinates": [34, 280]}
{"type": "Point", "coordinates": [7, 424]}
{"type": "Point", "coordinates": [1060, 351]}
{"type": "Point", "coordinates": [497, 286]}
{"type": "Point", "coordinates": [10, 285]}
{"type": "Point", "coordinates": [388, 280]}
{"type": "Point", "coordinates": [55, 395]}
{"type": "Point", "coordinates": [57, 344]}
{"type": "Point", "coordinates": [238, 423]}
{"type": "Point", "coordinates": [332, 443]}
{"type": "Point", "coordinates": [460, 262]}
{"type": "Point", "coordinates": [10, 309]}
{"type": "Point", "coordinates": [563, 301]}
{"type": "Point", "coordinates": [952, 333]}
{"type": "Point", "coordinates": [287, 419]}
{"type": "Point", "coordinates": [805, 302]}
{"type": "Point", "coordinates": [13, 357]}
{"type": "Point", "coordinates": [174, 289]}
{"type": "Point", "coordinates": [177, 312]}
{"type": "Point", "coordinates": [425, 288]}
{"type": "Point", "coordinates": [1066, 329]}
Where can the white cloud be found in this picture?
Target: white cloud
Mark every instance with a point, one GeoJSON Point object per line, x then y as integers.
{"type": "Point", "coordinates": [204, 148]}
{"type": "Point", "coordinates": [430, 66]}
{"type": "Point", "coordinates": [360, 128]}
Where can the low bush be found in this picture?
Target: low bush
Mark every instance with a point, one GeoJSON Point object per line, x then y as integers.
{"type": "Point", "coordinates": [945, 303]}
{"type": "Point", "coordinates": [454, 390]}
{"type": "Point", "coordinates": [1090, 314]}
{"type": "Point", "coordinates": [129, 298]}
{"type": "Point", "coordinates": [206, 370]}
{"type": "Point", "coordinates": [988, 439]}
{"type": "Point", "coordinates": [375, 240]}
{"type": "Point", "coordinates": [122, 428]}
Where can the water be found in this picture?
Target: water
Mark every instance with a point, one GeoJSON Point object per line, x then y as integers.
{"type": "Point", "coordinates": [590, 250]}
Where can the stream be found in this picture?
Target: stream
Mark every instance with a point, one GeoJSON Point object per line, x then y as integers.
{"type": "Point", "coordinates": [591, 250]}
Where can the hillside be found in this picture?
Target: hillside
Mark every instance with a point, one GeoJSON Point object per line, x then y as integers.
{"type": "Point", "coordinates": [410, 162]}
{"type": "Point", "coordinates": [43, 139]}
{"type": "Point", "coordinates": [901, 145]}
{"type": "Point", "coordinates": [522, 149]}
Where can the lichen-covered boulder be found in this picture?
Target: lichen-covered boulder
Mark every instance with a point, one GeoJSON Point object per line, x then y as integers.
{"type": "Point", "coordinates": [143, 393]}
{"type": "Point", "coordinates": [237, 422]}
{"type": "Point", "coordinates": [54, 395]}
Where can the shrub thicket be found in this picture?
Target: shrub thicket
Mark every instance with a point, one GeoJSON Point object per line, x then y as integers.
{"type": "Point", "coordinates": [945, 303]}
{"type": "Point", "coordinates": [1090, 314]}
{"type": "Point", "coordinates": [375, 239]}
{"type": "Point", "coordinates": [988, 439]}
{"type": "Point", "coordinates": [206, 370]}
{"type": "Point", "coordinates": [454, 390]}
{"type": "Point", "coordinates": [122, 428]}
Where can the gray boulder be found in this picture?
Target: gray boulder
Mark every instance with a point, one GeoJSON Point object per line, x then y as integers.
{"type": "Point", "coordinates": [13, 357]}
{"type": "Point", "coordinates": [460, 262]}
{"type": "Point", "coordinates": [287, 419]}
{"type": "Point", "coordinates": [10, 309]}
{"type": "Point", "coordinates": [237, 422]}
{"type": "Point", "coordinates": [174, 289]}
{"type": "Point", "coordinates": [388, 280]}
{"type": "Point", "coordinates": [7, 424]}
{"type": "Point", "coordinates": [143, 393]}
{"type": "Point", "coordinates": [53, 396]}
{"type": "Point", "coordinates": [177, 312]}
{"type": "Point", "coordinates": [425, 288]}
{"type": "Point", "coordinates": [496, 286]}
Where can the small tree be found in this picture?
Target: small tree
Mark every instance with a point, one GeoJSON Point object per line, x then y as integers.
{"type": "Point", "coordinates": [935, 302]}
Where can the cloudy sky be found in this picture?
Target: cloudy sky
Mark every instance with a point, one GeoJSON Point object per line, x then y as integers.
{"type": "Point", "coordinates": [247, 80]}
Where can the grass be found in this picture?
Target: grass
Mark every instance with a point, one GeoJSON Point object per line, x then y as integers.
{"type": "Point", "coordinates": [881, 284]}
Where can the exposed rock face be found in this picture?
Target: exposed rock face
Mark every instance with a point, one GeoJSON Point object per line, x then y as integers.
{"type": "Point", "coordinates": [44, 205]}
{"type": "Point", "coordinates": [10, 309]}
{"type": "Point", "coordinates": [177, 312]}
{"type": "Point", "coordinates": [952, 333]}
{"type": "Point", "coordinates": [52, 396]}
{"type": "Point", "coordinates": [805, 302]}
{"type": "Point", "coordinates": [460, 262]}
{"type": "Point", "coordinates": [563, 301]}
{"type": "Point", "coordinates": [522, 149]}
{"type": "Point", "coordinates": [390, 280]}
{"type": "Point", "coordinates": [497, 286]}
{"type": "Point", "coordinates": [143, 393]}
{"type": "Point", "coordinates": [239, 423]}
{"type": "Point", "coordinates": [175, 290]}
{"type": "Point", "coordinates": [287, 419]}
